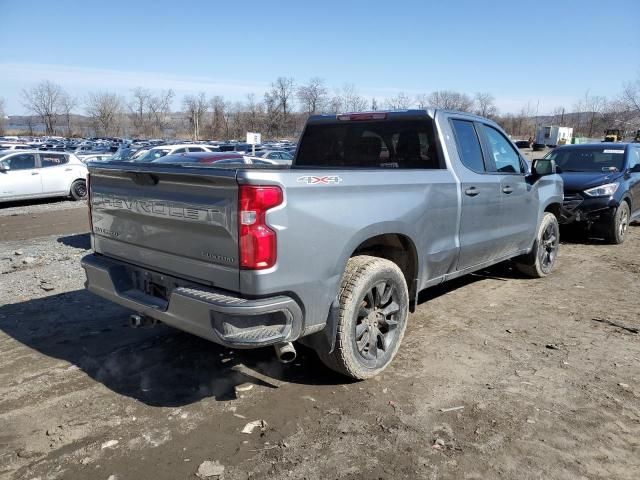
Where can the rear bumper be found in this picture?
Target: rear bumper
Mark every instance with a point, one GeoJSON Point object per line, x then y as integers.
{"type": "Point", "coordinates": [209, 313]}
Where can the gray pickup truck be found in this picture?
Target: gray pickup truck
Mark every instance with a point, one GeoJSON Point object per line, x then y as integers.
{"type": "Point", "coordinates": [332, 251]}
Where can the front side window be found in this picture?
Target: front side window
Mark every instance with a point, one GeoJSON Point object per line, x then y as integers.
{"type": "Point", "coordinates": [505, 157]}
{"type": "Point", "coordinates": [53, 159]}
{"type": "Point", "coordinates": [24, 161]}
{"type": "Point", "coordinates": [635, 158]}
{"type": "Point", "coordinates": [468, 145]}
{"type": "Point", "coordinates": [370, 144]}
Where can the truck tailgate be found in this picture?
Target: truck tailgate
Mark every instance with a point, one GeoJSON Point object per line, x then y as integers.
{"type": "Point", "coordinates": [182, 223]}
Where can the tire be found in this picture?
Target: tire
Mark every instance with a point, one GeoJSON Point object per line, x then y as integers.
{"type": "Point", "coordinates": [78, 190]}
{"type": "Point", "coordinates": [540, 261]}
{"type": "Point", "coordinates": [617, 228]}
{"type": "Point", "coordinates": [370, 287]}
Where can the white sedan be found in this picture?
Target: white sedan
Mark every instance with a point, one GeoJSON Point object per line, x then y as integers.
{"type": "Point", "coordinates": [37, 174]}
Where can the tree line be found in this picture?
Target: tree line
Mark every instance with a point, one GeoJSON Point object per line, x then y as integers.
{"type": "Point", "coordinates": [282, 110]}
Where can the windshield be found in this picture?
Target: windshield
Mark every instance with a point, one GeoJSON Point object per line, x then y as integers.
{"type": "Point", "coordinates": [596, 159]}
{"type": "Point", "coordinates": [152, 155]}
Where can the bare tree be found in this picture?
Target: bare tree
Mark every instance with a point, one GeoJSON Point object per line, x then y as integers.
{"type": "Point", "coordinates": [218, 126]}
{"type": "Point", "coordinates": [351, 101]}
{"type": "Point", "coordinates": [450, 100]}
{"type": "Point", "coordinates": [631, 96]}
{"type": "Point", "coordinates": [485, 105]}
{"type": "Point", "coordinates": [399, 102]}
{"type": "Point", "coordinates": [422, 101]}
{"type": "Point", "coordinates": [160, 111]}
{"type": "Point", "coordinates": [67, 104]}
{"type": "Point", "coordinates": [44, 99]}
{"type": "Point", "coordinates": [29, 123]}
{"type": "Point", "coordinates": [279, 96]}
{"type": "Point", "coordinates": [106, 112]}
{"type": "Point", "coordinates": [255, 113]}
{"type": "Point", "coordinates": [3, 115]}
{"type": "Point", "coordinates": [374, 104]}
{"type": "Point", "coordinates": [590, 108]}
{"type": "Point", "coordinates": [139, 110]}
{"type": "Point", "coordinates": [312, 96]}
{"type": "Point", "coordinates": [195, 107]}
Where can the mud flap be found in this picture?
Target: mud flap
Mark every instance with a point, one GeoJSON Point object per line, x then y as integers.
{"type": "Point", "coordinates": [325, 340]}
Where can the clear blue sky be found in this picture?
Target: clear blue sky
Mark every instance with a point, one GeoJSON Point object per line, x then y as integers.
{"type": "Point", "coordinates": [550, 52]}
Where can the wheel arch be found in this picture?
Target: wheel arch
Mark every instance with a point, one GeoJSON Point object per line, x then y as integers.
{"type": "Point", "coordinates": [398, 248]}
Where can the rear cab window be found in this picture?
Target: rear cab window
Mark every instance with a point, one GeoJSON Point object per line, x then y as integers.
{"type": "Point", "coordinates": [389, 143]}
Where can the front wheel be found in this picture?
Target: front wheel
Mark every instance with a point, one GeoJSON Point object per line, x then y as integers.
{"type": "Point", "coordinates": [540, 261]}
{"type": "Point", "coordinates": [372, 317]}
{"type": "Point", "coordinates": [617, 228]}
{"type": "Point", "coordinates": [79, 190]}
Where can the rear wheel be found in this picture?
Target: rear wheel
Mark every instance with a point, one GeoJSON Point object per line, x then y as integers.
{"type": "Point", "coordinates": [372, 317]}
{"type": "Point", "coordinates": [540, 261]}
{"type": "Point", "coordinates": [79, 190]}
{"type": "Point", "coordinates": [617, 228]}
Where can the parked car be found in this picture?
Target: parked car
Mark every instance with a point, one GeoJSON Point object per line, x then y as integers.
{"type": "Point", "coordinates": [14, 146]}
{"type": "Point", "coordinates": [94, 158]}
{"type": "Point", "coordinates": [275, 155]}
{"type": "Point", "coordinates": [331, 252]}
{"type": "Point", "coordinates": [201, 158]}
{"type": "Point", "coordinates": [601, 187]}
{"type": "Point", "coordinates": [158, 152]}
{"type": "Point", "coordinates": [36, 174]}
{"type": "Point", "coordinates": [523, 144]}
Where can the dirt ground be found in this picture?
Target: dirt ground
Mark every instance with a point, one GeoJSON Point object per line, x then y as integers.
{"type": "Point", "coordinates": [498, 377]}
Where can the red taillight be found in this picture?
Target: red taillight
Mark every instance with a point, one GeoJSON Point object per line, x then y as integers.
{"type": "Point", "coordinates": [363, 116]}
{"type": "Point", "coordinates": [88, 182]}
{"type": "Point", "coordinates": [258, 246]}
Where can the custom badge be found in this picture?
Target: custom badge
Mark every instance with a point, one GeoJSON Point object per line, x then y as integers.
{"type": "Point", "coordinates": [324, 180]}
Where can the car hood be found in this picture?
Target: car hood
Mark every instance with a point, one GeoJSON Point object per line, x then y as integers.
{"type": "Point", "coordinates": [580, 181]}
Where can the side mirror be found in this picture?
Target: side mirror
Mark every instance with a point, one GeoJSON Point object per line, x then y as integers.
{"type": "Point", "coordinates": [543, 166]}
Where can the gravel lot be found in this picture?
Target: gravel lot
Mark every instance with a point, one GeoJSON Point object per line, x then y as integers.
{"type": "Point", "coordinates": [498, 377]}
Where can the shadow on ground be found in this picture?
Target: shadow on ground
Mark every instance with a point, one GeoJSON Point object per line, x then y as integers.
{"type": "Point", "coordinates": [159, 366]}
{"type": "Point", "coordinates": [80, 240]}
{"type": "Point", "coordinates": [36, 201]}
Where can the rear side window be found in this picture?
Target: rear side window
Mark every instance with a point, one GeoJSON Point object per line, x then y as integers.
{"type": "Point", "coordinates": [53, 159]}
{"type": "Point", "coordinates": [468, 145]}
{"type": "Point", "coordinates": [370, 144]}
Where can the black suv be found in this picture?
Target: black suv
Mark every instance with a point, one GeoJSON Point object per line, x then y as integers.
{"type": "Point", "coordinates": [601, 187]}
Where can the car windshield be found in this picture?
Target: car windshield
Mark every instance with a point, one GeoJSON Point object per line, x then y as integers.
{"type": "Point", "coordinates": [153, 154]}
{"type": "Point", "coordinates": [596, 159]}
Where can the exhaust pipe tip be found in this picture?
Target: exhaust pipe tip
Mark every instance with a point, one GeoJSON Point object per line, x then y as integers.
{"type": "Point", "coordinates": [285, 352]}
{"type": "Point", "coordinates": [137, 320]}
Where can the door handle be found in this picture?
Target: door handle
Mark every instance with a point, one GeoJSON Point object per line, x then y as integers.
{"type": "Point", "coordinates": [507, 189]}
{"type": "Point", "coordinates": [472, 191]}
{"type": "Point", "coordinates": [35, 173]}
